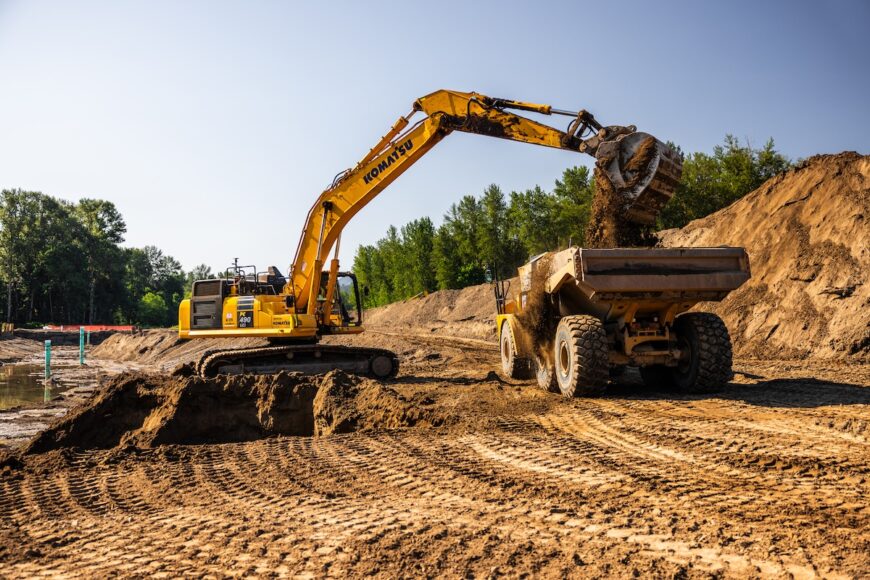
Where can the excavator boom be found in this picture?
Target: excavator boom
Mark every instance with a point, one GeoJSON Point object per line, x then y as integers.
{"type": "Point", "coordinates": [648, 187]}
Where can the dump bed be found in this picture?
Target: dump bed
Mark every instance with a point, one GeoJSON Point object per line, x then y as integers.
{"type": "Point", "coordinates": [653, 279]}
{"type": "Point", "coordinates": [708, 273]}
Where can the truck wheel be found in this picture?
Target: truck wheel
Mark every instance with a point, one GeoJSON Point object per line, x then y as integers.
{"type": "Point", "coordinates": [513, 366]}
{"type": "Point", "coordinates": [708, 366]}
{"type": "Point", "coordinates": [545, 375]}
{"type": "Point", "coordinates": [582, 365]}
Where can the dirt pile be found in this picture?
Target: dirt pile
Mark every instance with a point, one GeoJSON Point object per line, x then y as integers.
{"type": "Point", "coordinates": [465, 313]}
{"type": "Point", "coordinates": [146, 410]}
{"type": "Point", "coordinates": [163, 348]}
{"type": "Point", "coordinates": [15, 349]}
{"type": "Point", "coordinates": [346, 404]}
{"type": "Point", "coordinates": [808, 239]}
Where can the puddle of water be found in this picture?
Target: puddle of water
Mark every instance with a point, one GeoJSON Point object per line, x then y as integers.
{"type": "Point", "coordinates": [20, 384]}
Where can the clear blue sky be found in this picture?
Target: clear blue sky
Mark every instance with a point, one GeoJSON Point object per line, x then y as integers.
{"type": "Point", "coordinates": [213, 126]}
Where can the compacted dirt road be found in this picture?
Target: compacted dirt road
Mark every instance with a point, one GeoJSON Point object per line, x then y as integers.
{"type": "Point", "coordinates": [768, 477]}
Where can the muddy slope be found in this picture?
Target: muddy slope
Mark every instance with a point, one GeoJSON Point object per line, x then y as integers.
{"type": "Point", "coordinates": [808, 237]}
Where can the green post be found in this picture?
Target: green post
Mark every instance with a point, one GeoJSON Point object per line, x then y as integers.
{"type": "Point", "coordinates": [81, 345]}
{"type": "Point", "coordinates": [88, 341]}
{"type": "Point", "coordinates": [47, 359]}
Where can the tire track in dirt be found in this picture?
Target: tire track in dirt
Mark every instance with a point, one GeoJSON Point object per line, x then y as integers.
{"type": "Point", "coordinates": [625, 484]}
{"type": "Point", "coordinates": [707, 476]}
{"type": "Point", "coordinates": [733, 445]}
{"type": "Point", "coordinates": [425, 502]}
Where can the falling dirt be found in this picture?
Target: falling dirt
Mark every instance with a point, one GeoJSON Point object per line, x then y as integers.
{"type": "Point", "coordinates": [608, 226]}
{"type": "Point", "coordinates": [808, 239]}
{"type": "Point", "coordinates": [535, 319]}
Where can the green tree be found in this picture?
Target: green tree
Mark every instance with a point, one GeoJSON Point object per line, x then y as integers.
{"type": "Point", "coordinates": [16, 215]}
{"type": "Point", "coordinates": [39, 242]}
{"type": "Point", "coordinates": [445, 258]}
{"type": "Point", "coordinates": [417, 243]}
{"type": "Point", "coordinates": [105, 229]}
{"type": "Point", "coordinates": [152, 309]}
{"type": "Point", "coordinates": [167, 279]}
{"type": "Point", "coordinates": [362, 267]}
{"type": "Point", "coordinates": [572, 199]}
{"type": "Point", "coordinates": [711, 182]}
{"type": "Point", "coordinates": [532, 218]}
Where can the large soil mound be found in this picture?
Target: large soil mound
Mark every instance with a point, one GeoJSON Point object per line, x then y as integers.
{"type": "Point", "coordinates": [144, 410]}
{"type": "Point", "coordinates": [808, 239]}
{"type": "Point", "coordinates": [465, 313]}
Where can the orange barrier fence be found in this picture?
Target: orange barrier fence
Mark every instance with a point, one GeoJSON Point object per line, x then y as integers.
{"type": "Point", "coordinates": [89, 327]}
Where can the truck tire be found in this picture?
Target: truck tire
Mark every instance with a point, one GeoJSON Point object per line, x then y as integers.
{"type": "Point", "coordinates": [708, 366]}
{"type": "Point", "coordinates": [545, 376]}
{"type": "Point", "coordinates": [582, 366]}
{"type": "Point", "coordinates": [513, 366]}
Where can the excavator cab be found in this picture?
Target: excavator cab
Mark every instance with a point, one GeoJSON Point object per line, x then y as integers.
{"type": "Point", "coordinates": [346, 304]}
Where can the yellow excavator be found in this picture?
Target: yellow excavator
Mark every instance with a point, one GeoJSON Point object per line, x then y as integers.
{"type": "Point", "coordinates": [293, 313]}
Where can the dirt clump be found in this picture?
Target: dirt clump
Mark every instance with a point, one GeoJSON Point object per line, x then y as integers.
{"type": "Point", "coordinates": [808, 241]}
{"type": "Point", "coordinates": [640, 163]}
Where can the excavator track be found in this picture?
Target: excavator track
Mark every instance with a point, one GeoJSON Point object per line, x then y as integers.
{"type": "Point", "coordinates": [306, 358]}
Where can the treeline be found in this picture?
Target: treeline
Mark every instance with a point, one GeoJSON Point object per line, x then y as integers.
{"type": "Point", "coordinates": [62, 262]}
{"type": "Point", "coordinates": [493, 234]}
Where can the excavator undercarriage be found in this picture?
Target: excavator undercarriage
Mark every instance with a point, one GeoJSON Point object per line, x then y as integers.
{"type": "Point", "coordinates": [304, 358]}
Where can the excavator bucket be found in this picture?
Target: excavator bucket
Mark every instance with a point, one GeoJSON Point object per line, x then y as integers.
{"type": "Point", "coordinates": [643, 170]}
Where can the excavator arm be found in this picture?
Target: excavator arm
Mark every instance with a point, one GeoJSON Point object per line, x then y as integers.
{"type": "Point", "coordinates": [646, 186]}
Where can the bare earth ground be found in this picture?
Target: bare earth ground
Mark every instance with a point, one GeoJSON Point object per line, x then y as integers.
{"type": "Point", "coordinates": [768, 477]}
